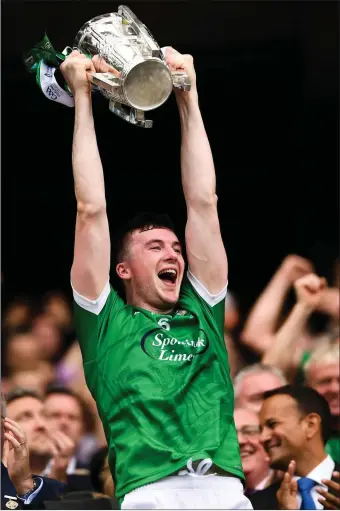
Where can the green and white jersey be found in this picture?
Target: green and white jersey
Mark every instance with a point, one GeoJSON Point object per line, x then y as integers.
{"type": "Point", "coordinates": [161, 383]}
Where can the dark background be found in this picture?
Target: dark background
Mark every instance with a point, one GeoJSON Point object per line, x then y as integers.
{"type": "Point", "coordinates": [268, 83]}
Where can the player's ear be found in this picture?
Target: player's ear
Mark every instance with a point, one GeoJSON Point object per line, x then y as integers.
{"type": "Point", "coordinates": [123, 271]}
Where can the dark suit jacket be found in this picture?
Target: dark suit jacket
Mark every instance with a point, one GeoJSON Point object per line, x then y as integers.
{"type": "Point", "coordinates": [266, 499]}
{"type": "Point", "coordinates": [51, 489]}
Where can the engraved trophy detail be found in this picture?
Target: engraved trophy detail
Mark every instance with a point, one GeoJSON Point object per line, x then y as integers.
{"type": "Point", "coordinates": [143, 80]}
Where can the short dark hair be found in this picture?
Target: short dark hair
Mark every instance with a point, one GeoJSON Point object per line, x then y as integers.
{"type": "Point", "coordinates": [141, 222]}
{"type": "Point", "coordinates": [19, 393]}
{"type": "Point", "coordinates": [308, 401]}
{"type": "Point", "coordinates": [57, 388]}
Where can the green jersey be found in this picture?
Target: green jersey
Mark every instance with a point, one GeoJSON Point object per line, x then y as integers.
{"type": "Point", "coordinates": [161, 383]}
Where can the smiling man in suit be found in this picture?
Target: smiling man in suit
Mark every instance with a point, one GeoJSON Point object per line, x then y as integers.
{"type": "Point", "coordinates": [295, 425]}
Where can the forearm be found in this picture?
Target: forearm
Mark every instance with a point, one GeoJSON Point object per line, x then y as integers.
{"type": "Point", "coordinates": [197, 165]}
{"type": "Point", "coordinates": [87, 166]}
{"type": "Point", "coordinates": [261, 323]}
{"type": "Point", "coordinates": [282, 352]}
{"type": "Point", "coordinates": [330, 302]}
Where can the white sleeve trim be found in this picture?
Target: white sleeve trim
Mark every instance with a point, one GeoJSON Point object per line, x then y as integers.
{"type": "Point", "coordinates": [204, 293]}
{"type": "Point", "coordinates": [94, 306]}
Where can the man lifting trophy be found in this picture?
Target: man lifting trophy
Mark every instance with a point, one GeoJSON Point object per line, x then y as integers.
{"type": "Point", "coordinates": [138, 77]}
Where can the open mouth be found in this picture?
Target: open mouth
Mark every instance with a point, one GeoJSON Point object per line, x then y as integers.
{"type": "Point", "coordinates": [168, 276]}
{"type": "Point", "coordinates": [272, 445]}
{"type": "Point", "coordinates": [245, 453]}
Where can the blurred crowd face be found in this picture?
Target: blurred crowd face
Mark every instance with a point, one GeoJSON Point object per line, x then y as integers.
{"type": "Point", "coordinates": [325, 379]}
{"type": "Point", "coordinates": [16, 315]}
{"type": "Point", "coordinates": [253, 387]}
{"type": "Point", "coordinates": [284, 431]}
{"type": "Point", "coordinates": [28, 413]}
{"type": "Point", "coordinates": [48, 337]}
{"type": "Point", "coordinates": [64, 413]}
{"type": "Point", "coordinates": [58, 311]}
{"type": "Point", "coordinates": [36, 380]}
{"type": "Point", "coordinates": [23, 352]}
{"type": "Point", "coordinates": [253, 456]}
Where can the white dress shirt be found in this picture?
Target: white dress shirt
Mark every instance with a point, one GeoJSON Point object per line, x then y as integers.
{"type": "Point", "coordinates": [263, 483]}
{"type": "Point", "coordinates": [322, 471]}
{"type": "Point", "coordinates": [71, 467]}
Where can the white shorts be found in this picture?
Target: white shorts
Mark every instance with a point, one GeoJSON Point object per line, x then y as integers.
{"type": "Point", "coordinates": [189, 491]}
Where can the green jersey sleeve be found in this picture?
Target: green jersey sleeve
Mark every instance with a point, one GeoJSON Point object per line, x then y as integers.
{"type": "Point", "coordinates": [92, 318]}
{"type": "Point", "coordinates": [195, 293]}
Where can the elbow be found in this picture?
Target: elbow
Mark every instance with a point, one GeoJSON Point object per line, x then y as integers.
{"type": "Point", "coordinates": [89, 210]}
{"type": "Point", "coordinates": [203, 201]}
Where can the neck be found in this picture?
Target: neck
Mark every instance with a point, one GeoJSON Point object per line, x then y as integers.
{"type": "Point", "coordinates": [310, 459]}
{"type": "Point", "coordinates": [38, 462]}
{"type": "Point", "coordinates": [256, 477]}
{"type": "Point", "coordinates": [141, 304]}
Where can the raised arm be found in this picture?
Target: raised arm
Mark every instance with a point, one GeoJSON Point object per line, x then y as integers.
{"type": "Point", "coordinates": [206, 254]}
{"type": "Point", "coordinates": [91, 263]}
{"type": "Point", "coordinates": [286, 350]}
{"type": "Point", "coordinates": [260, 327]}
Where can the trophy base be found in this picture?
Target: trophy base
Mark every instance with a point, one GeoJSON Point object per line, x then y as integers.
{"type": "Point", "coordinates": [130, 115]}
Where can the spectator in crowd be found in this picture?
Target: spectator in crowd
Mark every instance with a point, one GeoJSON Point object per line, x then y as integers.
{"type": "Point", "coordinates": [47, 449]}
{"type": "Point", "coordinates": [322, 373]}
{"type": "Point", "coordinates": [48, 337]}
{"type": "Point", "coordinates": [33, 379]}
{"type": "Point", "coordinates": [65, 411]}
{"type": "Point", "coordinates": [289, 343]}
{"type": "Point", "coordinates": [22, 350]}
{"type": "Point", "coordinates": [231, 321]}
{"type": "Point", "coordinates": [252, 381]}
{"type": "Point", "coordinates": [18, 484]}
{"type": "Point", "coordinates": [101, 477]}
{"type": "Point", "coordinates": [17, 314]}
{"type": "Point", "coordinates": [56, 308]}
{"type": "Point", "coordinates": [296, 424]}
{"type": "Point", "coordinates": [266, 316]}
{"type": "Point", "coordinates": [263, 320]}
{"type": "Point", "coordinates": [255, 461]}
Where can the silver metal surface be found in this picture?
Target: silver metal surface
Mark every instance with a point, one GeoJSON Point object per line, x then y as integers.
{"type": "Point", "coordinates": [144, 80]}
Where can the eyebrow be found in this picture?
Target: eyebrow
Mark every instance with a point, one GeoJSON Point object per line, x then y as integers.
{"type": "Point", "coordinates": [177, 243]}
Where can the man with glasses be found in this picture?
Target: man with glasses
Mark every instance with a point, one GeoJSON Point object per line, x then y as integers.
{"type": "Point", "coordinates": [255, 461]}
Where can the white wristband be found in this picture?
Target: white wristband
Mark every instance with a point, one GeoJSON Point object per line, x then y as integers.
{"type": "Point", "coordinates": [51, 88]}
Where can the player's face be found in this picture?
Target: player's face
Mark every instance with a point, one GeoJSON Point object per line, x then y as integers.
{"type": "Point", "coordinates": [154, 269]}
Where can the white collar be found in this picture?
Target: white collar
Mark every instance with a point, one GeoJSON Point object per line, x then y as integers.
{"type": "Point", "coordinates": [322, 471]}
{"type": "Point", "coordinates": [71, 467]}
{"type": "Point", "coordinates": [262, 484]}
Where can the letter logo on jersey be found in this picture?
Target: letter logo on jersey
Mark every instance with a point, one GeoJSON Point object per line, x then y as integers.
{"type": "Point", "coordinates": [159, 344]}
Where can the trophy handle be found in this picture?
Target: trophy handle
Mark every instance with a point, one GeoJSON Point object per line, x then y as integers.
{"type": "Point", "coordinates": [107, 81]}
{"type": "Point", "coordinates": [131, 115]}
{"type": "Point", "coordinates": [129, 18]}
{"type": "Point", "coordinates": [181, 80]}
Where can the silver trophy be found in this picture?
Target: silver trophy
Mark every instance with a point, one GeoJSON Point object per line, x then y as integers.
{"type": "Point", "coordinates": [143, 80]}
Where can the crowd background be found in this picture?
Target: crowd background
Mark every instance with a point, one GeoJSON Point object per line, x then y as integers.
{"type": "Point", "coordinates": [268, 84]}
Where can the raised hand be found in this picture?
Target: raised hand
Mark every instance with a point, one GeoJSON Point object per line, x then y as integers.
{"type": "Point", "coordinates": [181, 63]}
{"type": "Point", "coordinates": [309, 290]}
{"type": "Point", "coordinates": [17, 457]}
{"type": "Point", "coordinates": [295, 267]}
{"type": "Point", "coordinates": [327, 499]}
{"type": "Point", "coordinates": [62, 449]}
{"type": "Point", "coordinates": [287, 493]}
{"type": "Point", "coordinates": [77, 67]}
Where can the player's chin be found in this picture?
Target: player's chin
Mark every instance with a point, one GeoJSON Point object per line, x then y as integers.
{"type": "Point", "coordinates": [169, 295]}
